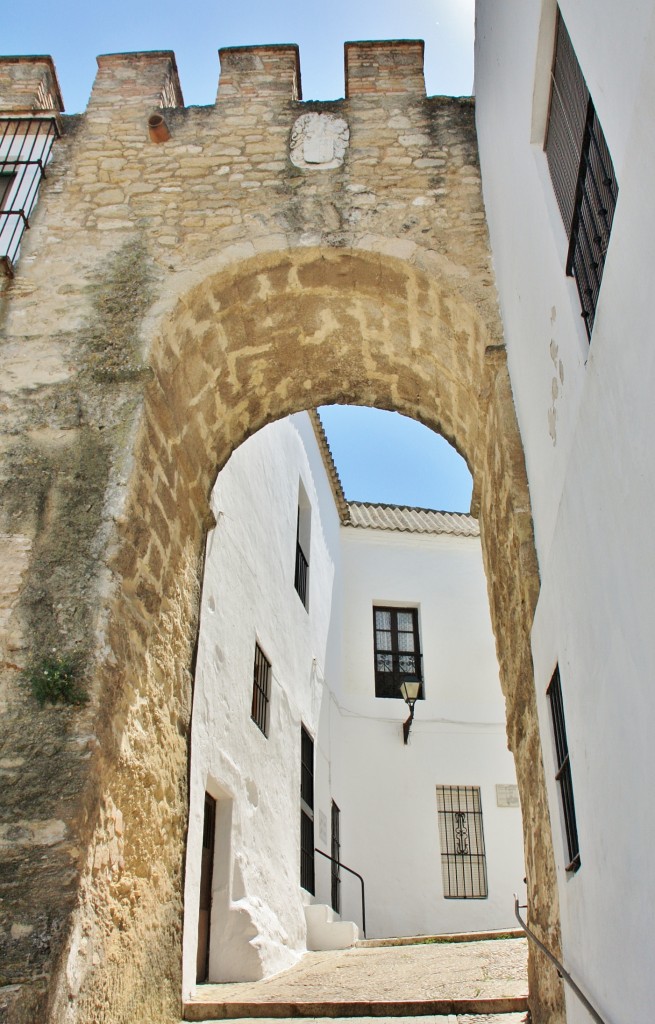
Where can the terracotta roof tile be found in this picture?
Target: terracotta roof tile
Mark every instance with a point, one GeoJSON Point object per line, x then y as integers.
{"type": "Point", "coordinates": [411, 520]}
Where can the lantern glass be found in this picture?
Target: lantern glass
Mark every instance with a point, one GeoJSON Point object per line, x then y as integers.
{"type": "Point", "coordinates": [410, 690]}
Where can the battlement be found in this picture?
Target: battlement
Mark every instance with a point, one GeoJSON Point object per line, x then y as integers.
{"type": "Point", "coordinates": [28, 85]}
{"type": "Point", "coordinates": [247, 73]}
{"type": "Point", "coordinates": [394, 67]}
{"type": "Point", "coordinates": [259, 72]}
{"type": "Point", "coordinates": [146, 78]}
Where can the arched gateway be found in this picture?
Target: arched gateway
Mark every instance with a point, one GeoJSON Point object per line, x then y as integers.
{"type": "Point", "coordinates": [394, 308]}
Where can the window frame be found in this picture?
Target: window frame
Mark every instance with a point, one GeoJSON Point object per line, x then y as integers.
{"type": "Point", "coordinates": [307, 857]}
{"type": "Point", "coordinates": [581, 172]}
{"type": "Point", "coordinates": [383, 684]}
{"type": "Point", "coordinates": [303, 546]}
{"type": "Point", "coordinates": [335, 853]}
{"type": "Point", "coordinates": [563, 774]}
{"type": "Point", "coordinates": [261, 690]}
{"type": "Point", "coordinates": [462, 868]}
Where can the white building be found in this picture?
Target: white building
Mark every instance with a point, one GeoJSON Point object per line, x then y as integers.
{"type": "Point", "coordinates": [280, 678]}
{"type": "Point", "coordinates": [587, 418]}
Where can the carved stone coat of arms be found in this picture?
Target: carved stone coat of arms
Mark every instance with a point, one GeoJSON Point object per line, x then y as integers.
{"type": "Point", "coordinates": [319, 141]}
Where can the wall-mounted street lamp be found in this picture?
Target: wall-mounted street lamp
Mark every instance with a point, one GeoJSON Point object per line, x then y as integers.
{"type": "Point", "coordinates": [410, 692]}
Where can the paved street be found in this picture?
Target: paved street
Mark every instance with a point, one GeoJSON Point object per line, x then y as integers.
{"type": "Point", "coordinates": [471, 975]}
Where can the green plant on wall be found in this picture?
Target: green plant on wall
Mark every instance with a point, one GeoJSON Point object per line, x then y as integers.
{"type": "Point", "coordinates": [55, 679]}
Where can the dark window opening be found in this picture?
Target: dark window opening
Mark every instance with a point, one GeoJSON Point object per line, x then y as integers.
{"type": "Point", "coordinates": [303, 538]}
{"type": "Point", "coordinates": [397, 650]}
{"type": "Point", "coordinates": [6, 181]}
{"type": "Point", "coordinates": [582, 173]}
{"type": "Point", "coordinates": [563, 775]}
{"type": "Point", "coordinates": [335, 852]}
{"type": "Point", "coordinates": [206, 871]}
{"type": "Point", "coordinates": [307, 877]}
{"type": "Point", "coordinates": [463, 859]}
{"type": "Point", "coordinates": [261, 690]}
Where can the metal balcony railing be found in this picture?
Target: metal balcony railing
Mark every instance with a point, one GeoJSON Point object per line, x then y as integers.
{"type": "Point", "coordinates": [25, 149]}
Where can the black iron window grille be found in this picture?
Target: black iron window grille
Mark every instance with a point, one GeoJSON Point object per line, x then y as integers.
{"type": "Point", "coordinates": [261, 690]}
{"type": "Point", "coordinates": [463, 859]}
{"type": "Point", "coordinates": [563, 774]}
{"type": "Point", "coordinates": [397, 650]}
{"type": "Point", "coordinates": [335, 852]}
{"type": "Point", "coordinates": [582, 173]}
{"type": "Point", "coordinates": [25, 149]}
{"type": "Point", "coordinates": [301, 576]}
{"type": "Point", "coordinates": [307, 874]}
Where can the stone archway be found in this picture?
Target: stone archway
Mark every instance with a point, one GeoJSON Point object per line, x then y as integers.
{"type": "Point", "coordinates": [258, 340]}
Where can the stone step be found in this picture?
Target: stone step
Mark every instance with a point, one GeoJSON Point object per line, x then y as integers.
{"type": "Point", "coordinates": [326, 930]}
{"type": "Point", "coordinates": [418, 940]}
{"type": "Point", "coordinates": [467, 1018]}
{"type": "Point", "coordinates": [202, 1009]}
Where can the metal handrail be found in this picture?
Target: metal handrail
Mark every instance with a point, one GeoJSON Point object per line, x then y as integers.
{"type": "Point", "coordinates": [352, 872]}
{"type": "Point", "coordinates": [563, 973]}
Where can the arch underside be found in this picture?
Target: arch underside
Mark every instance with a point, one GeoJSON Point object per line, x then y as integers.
{"type": "Point", "coordinates": [257, 341]}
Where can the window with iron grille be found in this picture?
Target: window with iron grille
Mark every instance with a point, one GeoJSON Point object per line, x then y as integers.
{"type": "Point", "coordinates": [25, 149]}
{"type": "Point", "coordinates": [463, 860]}
{"type": "Point", "coordinates": [307, 879]}
{"type": "Point", "coordinates": [563, 775]}
{"type": "Point", "coordinates": [397, 650]}
{"type": "Point", "coordinates": [261, 690]}
{"type": "Point", "coordinates": [303, 538]}
{"type": "Point", "coordinates": [582, 173]}
{"type": "Point", "coordinates": [335, 852]}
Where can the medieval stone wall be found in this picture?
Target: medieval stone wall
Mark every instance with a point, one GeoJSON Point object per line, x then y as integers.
{"type": "Point", "coordinates": [171, 298]}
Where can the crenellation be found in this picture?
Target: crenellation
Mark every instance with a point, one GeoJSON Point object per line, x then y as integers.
{"type": "Point", "coordinates": [393, 67]}
{"type": "Point", "coordinates": [259, 72]}
{"type": "Point", "coordinates": [29, 85]}
{"type": "Point", "coordinates": [143, 80]}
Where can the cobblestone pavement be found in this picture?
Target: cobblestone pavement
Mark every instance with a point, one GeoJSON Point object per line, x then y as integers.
{"type": "Point", "coordinates": [486, 969]}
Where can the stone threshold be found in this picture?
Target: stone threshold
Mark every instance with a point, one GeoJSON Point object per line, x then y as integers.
{"type": "Point", "coordinates": [199, 1010]}
{"type": "Point", "coordinates": [426, 940]}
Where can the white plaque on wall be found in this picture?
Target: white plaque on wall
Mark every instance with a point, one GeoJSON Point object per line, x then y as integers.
{"type": "Point", "coordinates": [507, 796]}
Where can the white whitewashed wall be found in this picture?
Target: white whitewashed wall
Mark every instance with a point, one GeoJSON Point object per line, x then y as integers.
{"type": "Point", "coordinates": [587, 418]}
{"type": "Point", "coordinates": [322, 661]}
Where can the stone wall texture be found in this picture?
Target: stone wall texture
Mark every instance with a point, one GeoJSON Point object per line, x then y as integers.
{"type": "Point", "coordinates": [169, 300]}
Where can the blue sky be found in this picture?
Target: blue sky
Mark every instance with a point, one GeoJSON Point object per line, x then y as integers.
{"type": "Point", "coordinates": [380, 456]}
{"type": "Point", "coordinates": [75, 32]}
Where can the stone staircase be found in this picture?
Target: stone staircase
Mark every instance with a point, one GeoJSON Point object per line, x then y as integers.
{"type": "Point", "coordinates": [326, 930]}
{"type": "Point", "coordinates": [468, 981]}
